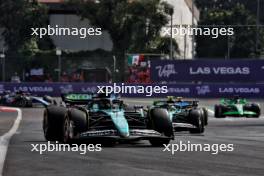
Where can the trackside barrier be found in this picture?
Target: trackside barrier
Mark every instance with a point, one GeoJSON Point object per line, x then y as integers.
{"type": "Point", "coordinates": [183, 90]}
{"type": "Point", "coordinates": [212, 70]}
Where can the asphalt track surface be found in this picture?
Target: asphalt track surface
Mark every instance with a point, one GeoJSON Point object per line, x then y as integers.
{"type": "Point", "coordinates": [6, 121]}
{"type": "Point", "coordinates": [140, 159]}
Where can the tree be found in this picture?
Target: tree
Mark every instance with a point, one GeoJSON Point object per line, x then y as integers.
{"type": "Point", "coordinates": [132, 25]}
{"type": "Point", "coordinates": [239, 14]}
{"type": "Point", "coordinates": [17, 19]}
{"type": "Point", "coordinates": [162, 45]}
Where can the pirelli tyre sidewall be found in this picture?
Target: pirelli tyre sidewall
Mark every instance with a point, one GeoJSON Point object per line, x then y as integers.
{"type": "Point", "coordinates": [53, 121]}
{"type": "Point", "coordinates": [196, 117]}
{"type": "Point", "coordinates": [75, 122]}
{"type": "Point", "coordinates": [79, 119]}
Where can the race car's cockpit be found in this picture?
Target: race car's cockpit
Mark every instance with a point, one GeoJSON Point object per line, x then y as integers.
{"type": "Point", "coordinates": [175, 103]}
{"type": "Point", "coordinates": [105, 104]}
{"type": "Point", "coordinates": [234, 100]}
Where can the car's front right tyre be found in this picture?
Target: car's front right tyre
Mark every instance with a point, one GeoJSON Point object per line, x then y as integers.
{"type": "Point", "coordinates": [75, 122]}
{"type": "Point", "coordinates": [159, 121]}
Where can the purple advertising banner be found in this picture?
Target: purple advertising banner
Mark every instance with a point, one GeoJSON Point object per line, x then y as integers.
{"type": "Point", "coordinates": [207, 71]}
{"type": "Point", "coordinates": [182, 90]}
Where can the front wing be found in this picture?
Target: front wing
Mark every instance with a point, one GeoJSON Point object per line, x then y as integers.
{"type": "Point", "coordinates": [240, 114]}
{"type": "Point", "coordinates": [134, 134]}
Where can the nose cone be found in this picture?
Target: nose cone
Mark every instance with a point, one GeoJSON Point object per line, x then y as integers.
{"type": "Point", "coordinates": [121, 123]}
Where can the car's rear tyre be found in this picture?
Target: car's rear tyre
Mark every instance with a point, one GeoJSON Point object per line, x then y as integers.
{"type": "Point", "coordinates": [197, 118]}
{"type": "Point", "coordinates": [159, 121]}
{"type": "Point", "coordinates": [53, 123]}
{"type": "Point", "coordinates": [75, 122]}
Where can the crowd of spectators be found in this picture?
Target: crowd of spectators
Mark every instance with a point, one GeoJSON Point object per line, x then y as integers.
{"type": "Point", "coordinates": [139, 74]}
{"type": "Point", "coordinates": [47, 77]}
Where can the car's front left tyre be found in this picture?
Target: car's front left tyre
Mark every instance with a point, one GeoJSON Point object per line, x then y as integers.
{"type": "Point", "coordinates": [53, 123]}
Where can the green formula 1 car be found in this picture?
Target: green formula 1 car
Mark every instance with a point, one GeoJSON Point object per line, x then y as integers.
{"type": "Point", "coordinates": [94, 118]}
{"type": "Point", "coordinates": [184, 115]}
{"type": "Point", "coordinates": [236, 107]}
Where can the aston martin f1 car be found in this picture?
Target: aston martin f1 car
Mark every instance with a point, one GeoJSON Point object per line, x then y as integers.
{"type": "Point", "coordinates": [184, 115]}
{"type": "Point", "coordinates": [104, 119]}
{"type": "Point", "coordinates": [22, 99]}
{"type": "Point", "coordinates": [236, 107]}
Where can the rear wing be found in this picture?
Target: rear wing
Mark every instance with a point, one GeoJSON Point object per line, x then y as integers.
{"type": "Point", "coordinates": [81, 98]}
{"type": "Point", "coordinates": [181, 103]}
{"type": "Point", "coordinates": [77, 98]}
{"type": "Point", "coordinates": [193, 103]}
{"type": "Point", "coordinates": [228, 101]}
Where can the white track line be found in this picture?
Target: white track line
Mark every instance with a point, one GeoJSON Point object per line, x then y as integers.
{"type": "Point", "coordinates": [4, 140]}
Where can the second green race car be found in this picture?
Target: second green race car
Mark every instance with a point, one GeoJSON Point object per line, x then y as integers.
{"type": "Point", "coordinates": [237, 107]}
{"type": "Point", "coordinates": [184, 115]}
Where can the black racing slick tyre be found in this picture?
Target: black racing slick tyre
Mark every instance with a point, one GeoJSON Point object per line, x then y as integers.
{"type": "Point", "coordinates": [197, 118]}
{"type": "Point", "coordinates": [53, 123]}
{"type": "Point", "coordinates": [256, 108]}
{"type": "Point", "coordinates": [75, 122]}
{"type": "Point", "coordinates": [218, 111]}
{"type": "Point", "coordinates": [160, 122]}
{"type": "Point", "coordinates": [205, 113]}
